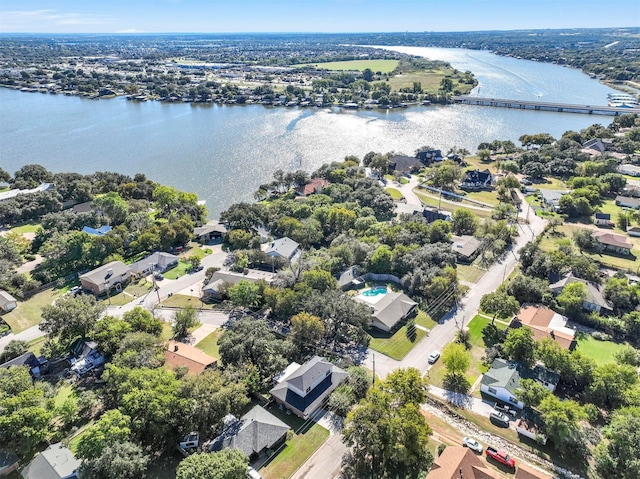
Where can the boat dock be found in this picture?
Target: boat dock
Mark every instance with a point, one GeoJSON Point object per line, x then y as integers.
{"type": "Point", "coordinates": [543, 106]}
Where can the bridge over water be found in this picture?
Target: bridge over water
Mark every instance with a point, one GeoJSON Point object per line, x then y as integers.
{"type": "Point", "coordinates": [543, 106]}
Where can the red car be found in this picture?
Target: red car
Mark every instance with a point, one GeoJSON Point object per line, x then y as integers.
{"type": "Point", "coordinates": [501, 456]}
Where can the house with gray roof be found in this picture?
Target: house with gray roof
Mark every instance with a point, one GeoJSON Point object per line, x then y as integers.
{"type": "Point", "coordinates": [405, 164]}
{"type": "Point", "coordinates": [221, 280]}
{"type": "Point", "coordinates": [350, 278]}
{"type": "Point", "coordinates": [551, 198]}
{"type": "Point", "coordinates": [107, 277]}
{"type": "Point", "coordinates": [466, 247]}
{"type": "Point", "coordinates": [55, 462]}
{"type": "Point", "coordinates": [502, 380]}
{"type": "Point", "coordinates": [628, 202]}
{"type": "Point", "coordinates": [283, 248]}
{"type": "Point", "coordinates": [158, 261]}
{"type": "Point", "coordinates": [390, 310]}
{"type": "Point", "coordinates": [213, 230]}
{"type": "Point", "coordinates": [305, 388]}
{"type": "Point", "coordinates": [253, 433]}
{"type": "Point", "coordinates": [593, 301]}
{"type": "Point", "coordinates": [7, 302]}
{"type": "Point", "coordinates": [28, 360]}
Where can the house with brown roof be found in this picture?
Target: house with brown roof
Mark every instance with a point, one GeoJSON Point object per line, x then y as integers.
{"type": "Point", "coordinates": [113, 275]}
{"type": "Point", "coordinates": [612, 242]}
{"type": "Point", "coordinates": [457, 461]}
{"type": "Point", "coordinates": [314, 186]}
{"type": "Point", "coordinates": [545, 323]}
{"type": "Point", "coordinates": [180, 355]}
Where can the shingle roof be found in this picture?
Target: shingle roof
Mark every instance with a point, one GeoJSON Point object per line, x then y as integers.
{"type": "Point", "coordinates": [231, 277]}
{"type": "Point", "coordinates": [6, 298]}
{"type": "Point", "coordinates": [210, 228]}
{"type": "Point", "coordinates": [404, 163]}
{"type": "Point", "coordinates": [159, 258]}
{"type": "Point", "coordinates": [628, 200]}
{"type": "Point", "coordinates": [507, 375]}
{"type": "Point", "coordinates": [315, 185]}
{"type": "Point", "coordinates": [99, 275]}
{"type": "Point", "coordinates": [284, 247]}
{"type": "Point", "coordinates": [594, 295]}
{"type": "Point", "coordinates": [456, 462]}
{"type": "Point", "coordinates": [54, 462]}
{"type": "Point", "coordinates": [611, 239]}
{"type": "Point", "coordinates": [393, 307]}
{"type": "Point", "coordinates": [465, 245]}
{"type": "Point", "coordinates": [26, 359]}
{"type": "Point", "coordinates": [186, 356]}
{"type": "Point", "coordinates": [545, 323]}
{"type": "Point", "coordinates": [255, 431]}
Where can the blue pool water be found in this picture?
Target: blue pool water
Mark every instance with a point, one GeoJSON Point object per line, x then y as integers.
{"type": "Point", "coordinates": [375, 291]}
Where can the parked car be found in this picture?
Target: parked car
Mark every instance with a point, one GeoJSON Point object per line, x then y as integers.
{"type": "Point", "coordinates": [505, 409]}
{"type": "Point", "coordinates": [158, 276]}
{"type": "Point", "coordinates": [433, 357]}
{"type": "Point", "coordinates": [472, 444]}
{"type": "Point", "coordinates": [499, 418]}
{"type": "Point", "coordinates": [501, 456]}
{"type": "Point", "coordinates": [252, 473]}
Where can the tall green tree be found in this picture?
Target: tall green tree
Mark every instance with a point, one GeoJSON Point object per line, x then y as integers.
{"type": "Point", "coordinates": [500, 304]}
{"type": "Point", "coordinates": [112, 427]}
{"type": "Point", "coordinates": [119, 460]}
{"type": "Point", "coordinates": [562, 423]}
{"type": "Point", "coordinates": [71, 317]}
{"type": "Point", "coordinates": [226, 464]}
{"type": "Point", "coordinates": [519, 345]}
{"type": "Point", "coordinates": [183, 320]}
{"type": "Point", "coordinates": [618, 455]}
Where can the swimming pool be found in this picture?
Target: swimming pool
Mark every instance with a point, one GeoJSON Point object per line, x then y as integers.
{"type": "Point", "coordinates": [375, 291]}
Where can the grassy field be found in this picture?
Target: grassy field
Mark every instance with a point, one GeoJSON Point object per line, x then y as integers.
{"type": "Point", "coordinates": [382, 66]}
{"type": "Point", "coordinates": [180, 270]}
{"type": "Point", "coordinates": [600, 351]}
{"type": "Point", "coordinates": [469, 273]}
{"type": "Point", "coordinates": [28, 313]}
{"type": "Point", "coordinates": [26, 228]}
{"type": "Point", "coordinates": [424, 320]}
{"type": "Point", "coordinates": [395, 194]}
{"type": "Point", "coordinates": [210, 344]}
{"type": "Point", "coordinates": [449, 205]}
{"type": "Point", "coordinates": [476, 325]}
{"type": "Point", "coordinates": [139, 288]}
{"type": "Point", "coordinates": [489, 197]}
{"type": "Point", "coordinates": [396, 346]}
{"type": "Point", "coordinates": [476, 368]}
{"type": "Point", "coordinates": [184, 301]}
{"type": "Point", "coordinates": [296, 452]}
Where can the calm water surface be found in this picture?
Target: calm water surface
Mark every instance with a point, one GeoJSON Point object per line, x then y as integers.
{"type": "Point", "coordinates": [224, 152]}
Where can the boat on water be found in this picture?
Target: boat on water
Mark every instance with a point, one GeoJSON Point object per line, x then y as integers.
{"type": "Point", "coordinates": [622, 100]}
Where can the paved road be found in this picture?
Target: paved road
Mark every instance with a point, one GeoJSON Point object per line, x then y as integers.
{"type": "Point", "coordinates": [444, 333]}
{"type": "Point", "coordinates": [28, 334]}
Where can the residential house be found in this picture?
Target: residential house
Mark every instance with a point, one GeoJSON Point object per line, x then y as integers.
{"type": "Point", "coordinates": [429, 156]}
{"type": "Point", "coordinates": [7, 302]}
{"type": "Point", "coordinates": [55, 462]}
{"type": "Point", "coordinates": [181, 355]}
{"type": "Point", "coordinates": [594, 146]}
{"type": "Point", "coordinates": [627, 169]}
{"type": "Point", "coordinates": [404, 164]}
{"type": "Point", "coordinates": [633, 231]}
{"type": "Point", "coordinates": [390, 310]}
{"type": "Point", "coordinates": [350, 279]}
{"type": "Point", "coordinates": [82, 207]}
{"type": "Point", "coordinates": [431, 215]}
{"type": "Point", "coordinates": [101, 231]}
{"type": "Point", "coordinates": [8, 463]}
{"type": "Point", "coordinates": [212, 231]}
{"type": "Point", "coordinates": [107, 277]}
{"type": "Point", "coordinates": [612, 242]}
{"type": "Point", "coordinates": [545, 323]}
{"type": "Point", "coordinates": [527, 472]}
{"type": "Point", "coordinates": [6, 195]}
{"type": "Point", "coordinates": [628, 202]}
{"type": "Point", "coordinates": [316, 185]}
{"type": "Point", "coordinates": [594, 300]}
{"type": "Point", "coordinates": [477, 180]}
{"type": "Point", "coordinates": [217, 286]}
{"type": "Point", "coordinates": [158, 261]}
{"type": "Point", "coordinates": [503, 378]}
{"type": "Point", "coordinates": [551, 198]}
{"type": "Point", "coordinates": [465, 247]}
{"type": "Point", "coordinates": [457, 462]}
{"type": "Point", "coordinates": [253, 434]}
{"type": "Point", "coordinates": [37, 366]}
{"type": "Point", "coordinates": [85, 356]}
{"type": "Point", "coordinates": [305, 388]}
{"type": "Point", "coordinates": [283, 248]}
{"type": "Point", "coordinates": [603, 219]}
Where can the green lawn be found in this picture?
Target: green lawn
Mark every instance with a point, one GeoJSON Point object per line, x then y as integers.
{"type": "Point", "coordinates": [476, 368]}
{"type": "Point", "coordinates": [28, 313]}
{"type": "Point", "coordinates": [489, 197]}
{"type": "Point", "coordinates": [184, 301]}
{"type": "Point", "coordinates": [180, 270]}
{"type": "Point", "coordinates": [469, 273]}
{"type": "Point", "coordinates": [65, 391]}
{"type": "Point", "coordinates": [424, 320]}
{"type": "Point", "coordinates": [139, 288]}
{"type": "Point", "coordinates": [210, 344]}
{"type": "Point", "coordinates": [26, 228]}
{"type": "Point", "coordinates": [384, 66]}
{"type": "Point", "coordinates": [600, 351]}
{"type": "Point", "coordinates": [396, 346]}
{"type": "Point", "coordinates": [296, 452]}
{"type": "Point", "coordinates": [432, 200]}
{"type": "Point", "coordinates": [476, 325]}
{"type": "Point", "coordinates": [395, 194]}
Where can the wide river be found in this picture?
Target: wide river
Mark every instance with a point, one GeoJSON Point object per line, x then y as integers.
{"type": "Point", "coordinates": [223, 153]}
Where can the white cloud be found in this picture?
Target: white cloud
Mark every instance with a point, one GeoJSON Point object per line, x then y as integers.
{"type": "Point", "coordinates": [41, 20]}
{"type": "Point", "coordinates": [129, 30]}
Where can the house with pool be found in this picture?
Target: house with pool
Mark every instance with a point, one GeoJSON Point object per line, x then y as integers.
{"type": "Point", "coordinates": [388, 308]}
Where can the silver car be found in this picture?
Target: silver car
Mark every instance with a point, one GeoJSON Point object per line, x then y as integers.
{"type": "Point", "coordinates": [472, 444]}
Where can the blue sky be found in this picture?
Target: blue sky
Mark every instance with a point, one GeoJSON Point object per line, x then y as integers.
{"type": "Point", "coordinates": [123, 16]}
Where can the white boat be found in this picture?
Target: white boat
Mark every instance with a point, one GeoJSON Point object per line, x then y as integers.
{"type": "Point", "coordinates": [622, 100]}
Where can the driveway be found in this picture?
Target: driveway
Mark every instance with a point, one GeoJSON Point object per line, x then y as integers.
{"type": "Point", "coordinates": [467, 308]}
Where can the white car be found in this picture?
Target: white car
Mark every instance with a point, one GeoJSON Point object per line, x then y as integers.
{"type": "Point", "coordinates": [433, 357]}
{"type": "Point", "coordinates": [472, 444]}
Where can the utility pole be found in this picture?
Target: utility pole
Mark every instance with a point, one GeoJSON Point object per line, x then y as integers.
{"type": "Point", "coordinates": [374, 369]}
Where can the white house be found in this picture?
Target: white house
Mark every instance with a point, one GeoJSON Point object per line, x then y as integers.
{"type": "Point", "coordinates": [7, 302]}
